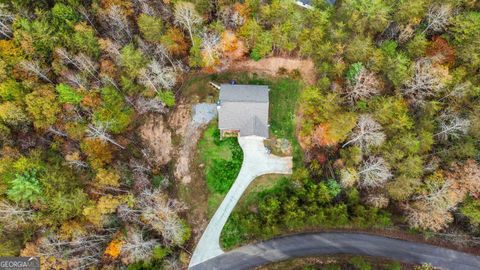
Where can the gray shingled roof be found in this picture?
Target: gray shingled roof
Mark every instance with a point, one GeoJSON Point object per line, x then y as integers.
{"type": "Point", "coordinates": [243, 92]}
{"type": "Point", "coordinates": [244, 108]}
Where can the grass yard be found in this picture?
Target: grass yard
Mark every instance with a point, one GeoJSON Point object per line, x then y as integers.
{"type": "Point", "coordinates": [222, 159]}
{"type": "Point", "coordinates": [284, 95]}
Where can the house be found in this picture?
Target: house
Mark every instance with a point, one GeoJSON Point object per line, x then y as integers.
{"type": "Point", "coordinates": [308, 3]}
{"type": "Point", "coordinates": [304, 3]}
{"type": "Point", "coordinates": [243, 110]}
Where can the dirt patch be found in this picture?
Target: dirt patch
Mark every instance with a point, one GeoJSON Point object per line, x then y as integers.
{"type": "Point", "coordinates": [158, 138]}
{"type": "Point", "coordinates": [203, 114]}
{"type": "Point", "coordinates": [272, 65]}
{"type": "Point", "coordinates": [180, 118]}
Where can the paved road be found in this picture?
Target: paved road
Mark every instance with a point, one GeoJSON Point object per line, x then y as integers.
{"type": "Point", "coordinates": [256, 162]}
{"type": "Point", "coordinates": [300, 245]}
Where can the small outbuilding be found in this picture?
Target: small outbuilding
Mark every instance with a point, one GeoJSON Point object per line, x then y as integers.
{"type": "Point", "coordinates": [243, 110]}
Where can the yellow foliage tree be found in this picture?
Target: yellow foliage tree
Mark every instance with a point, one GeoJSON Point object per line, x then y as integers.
{"type": "Point", "coordinates": [114, 248]}
{"type": "Point", "coordinates": [106, 205]}
{"type": "Point", "coordinates": [107, 177]}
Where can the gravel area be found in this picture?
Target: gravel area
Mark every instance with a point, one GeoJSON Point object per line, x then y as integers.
{"type": "Point", "coordinates": [204, 113]}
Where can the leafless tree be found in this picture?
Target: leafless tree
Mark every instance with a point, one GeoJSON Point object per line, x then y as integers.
{"type": "Point", "coordinates": [348, 177]}
{"type": "Point", "coordinates": [144, 105]}
{"type": "Point", "coordinates": [145, 7]}
{"type": "Point", "coordinates": [458, 91]}
{"type": "Point", "coordinates": [75, 79]}
{"type": "Point", "coordinates": [6, 19]}
{"type": "Point", "coordinates": [34, 68]}
{"type": "Point", "coordinates": [452, 126]}
{"type": "Point", "coordinates": [438, 17]}
{"type": "Point", "coordinates": [364, 86]}
{"type": "Point", "coordinates": [421, 217]}
{"type": "Point", "coordinates": [210, 46]}
{"type": "Point", "coordinates": [74, 160]}
{"type": "Point", "coordinates": [136, 247]}
{"type": "Point", "coordinates": [374, 172]}
{"type": "Point", "coordinates": [231, 18]}
{"type": "Point", "coordinates": [12, 216]}
{"type": "Point", "coordinates": [85, 64]}
{"type": "Point", "coordinates": [81, 252]}
{"type": "Point", "coordinates": [99, 131]}
{"type": "Point", "coordinates": [160, 213]}
{"type": "Point", "coordinates": [83, 11]}
{"type": "Point", "coordinates": [117, 25]}
{"type": "Point", "coordinates": [377, 200]}
{"type": "Point", "coordinates": [158, 77]}
{"type": "Point", "coordinates": [426, 81]}
{"type": "Point", "coordinates": [438, 197]}
{"type": "Point", "coordinates": [187, 17]}
{"type": "Point", "coordinates": [57, 132]}
{"type": "Point", "coordinates": [112, 49]}
{"type": "Point", "coordinates": [367, 133]}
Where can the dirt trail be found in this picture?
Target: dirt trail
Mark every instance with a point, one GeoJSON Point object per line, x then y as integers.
{"type": "Point", "coordinates": [271, 66]}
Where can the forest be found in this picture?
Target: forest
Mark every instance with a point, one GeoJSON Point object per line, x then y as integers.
{"type": "Point", "coordinates": [388, 134]}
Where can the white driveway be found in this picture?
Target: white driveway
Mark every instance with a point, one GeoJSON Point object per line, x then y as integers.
{"type": "Point", "coordinates": [256, 162]}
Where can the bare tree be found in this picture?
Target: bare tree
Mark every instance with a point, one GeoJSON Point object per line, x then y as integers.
{"type": "Point", "coordinates": [34, 68]}
{"type": "Point", "coordinates": [367, 133]}
{"type": "Point", "coordinates": [187, 17]}
{"type": "Point", "coordinates": [377, 200]}
{"type": "Point", "coordinates": [438, 197]}
{"type": "Point", "coordinates": [348, 177]}
{"type": "Point", "coordinates": [459, 91]}
{"type": "Point", "coordinates": [144, 105]}
{"type": "Point", "coordinates": [85, 64]}
{"type": "Point", "coordinates": [117, 25]}
{"type": "Point", "coordinates": [74, 160]}
{"type": "Point", "coordinates": [83, 11]}
{"type": "Point", "coordinates": [145, 7]}
{"type": "Point", "coordinates": [158, 77]}
{"type": "Point", "coordinates": [424, 218]}
{"type": "Point", "coordinates": [210, 47]}
{"type": "Point", "coordinates": [136, 247]}
{"type": "Point", "coordinates": [6, 19]}
{"type": "Point", "coordinates": [160, 213]}
{"type": "Point", "coordinates": [231, 18]}
{"type": "Point", "coordinates": [452, 126]}
{"type": "Point", "coordinates": [12, 216]}
{"type": "Point", "coordinates": [364, 86]}
{"type": "Point", "coordinates": [99, 131]}
{"type": "Point", "coordinates": [81, 252]}
{"type": "Point", "coordinates": [374, 172]}
{"type": "Point", "coordinates": [438, 17]}
{"type": "Point", "coordinates": [426, 81]}
{"type": "Point", "coordinates": [111, 48]}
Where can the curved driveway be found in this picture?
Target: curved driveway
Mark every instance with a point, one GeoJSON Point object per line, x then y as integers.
{"type": "Point", "coordinates": [311, 244]}
{"type": "Point", "coordinates": [256, 162]}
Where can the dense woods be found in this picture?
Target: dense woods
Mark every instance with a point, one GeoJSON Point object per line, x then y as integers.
{"type": "Point", "coordinates": [389, 128]}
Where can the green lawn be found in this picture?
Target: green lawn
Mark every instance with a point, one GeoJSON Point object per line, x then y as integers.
{"type": "Point", "coordinates": [222, 159]}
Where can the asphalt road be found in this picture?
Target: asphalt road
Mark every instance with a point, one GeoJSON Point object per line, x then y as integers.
{"type": "Point", "coordinates": [311, 244]}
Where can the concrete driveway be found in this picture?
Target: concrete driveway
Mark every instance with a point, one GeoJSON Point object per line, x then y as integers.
{"type": "Point", "coordinates": [317, 244]}
{"type": "Point", "coordinates": [256, 162]}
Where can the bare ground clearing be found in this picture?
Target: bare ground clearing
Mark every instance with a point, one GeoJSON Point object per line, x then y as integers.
{"type": "Point", "coordinates": [272, 65]}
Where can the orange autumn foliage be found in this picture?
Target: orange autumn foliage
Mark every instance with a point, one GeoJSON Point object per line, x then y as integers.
{"type": "Point", "coordinates": [114, 248]}
{"type": "Point", "coordinates": [440, 49]}
{"type": "Point", "coordinates": [232, 47]}
{"type": "Point", "coordinates": [126, 6]}
{"type": "Point", "coordinates": [321, 137]}
{"type": "Point", "coordinates": [175, 42]}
